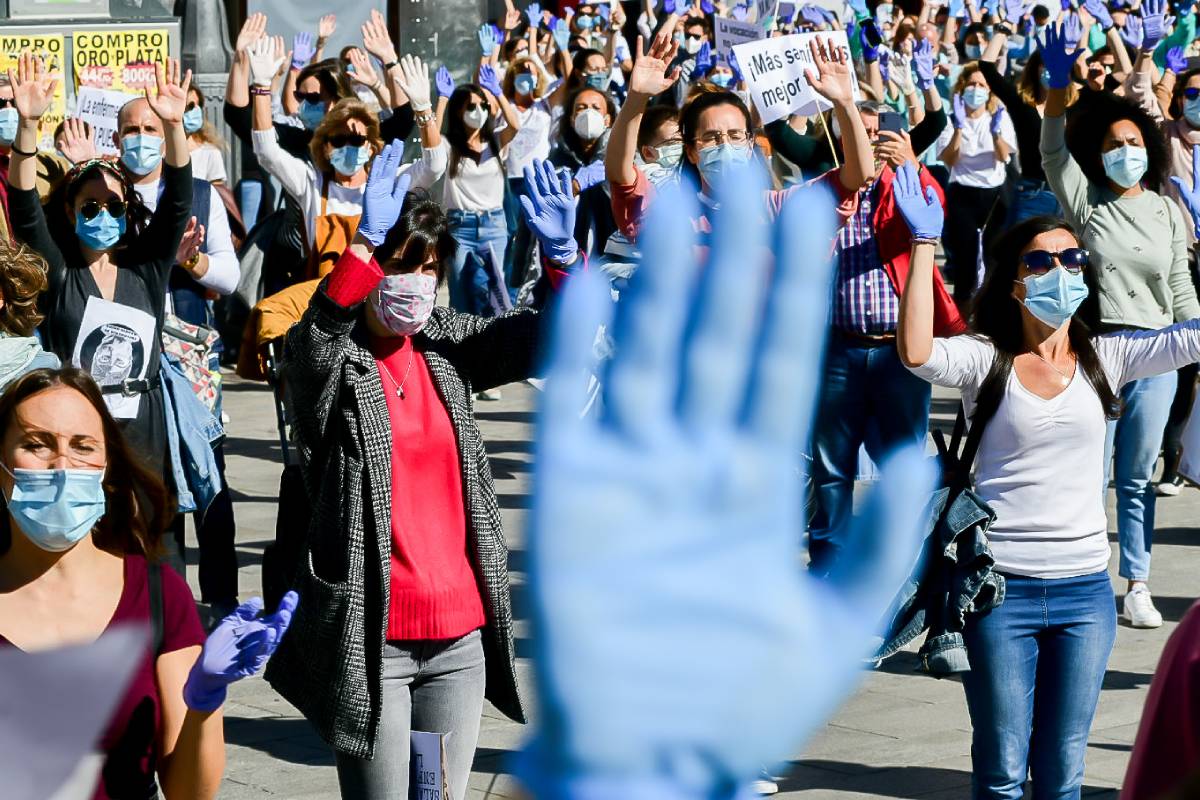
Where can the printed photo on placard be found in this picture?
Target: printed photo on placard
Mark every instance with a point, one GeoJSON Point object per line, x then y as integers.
{"type": "Point", "coordinates": [115, 344]}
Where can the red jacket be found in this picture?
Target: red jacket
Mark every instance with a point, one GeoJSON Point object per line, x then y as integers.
{"type": "Point", "coordinates": [895, 244]}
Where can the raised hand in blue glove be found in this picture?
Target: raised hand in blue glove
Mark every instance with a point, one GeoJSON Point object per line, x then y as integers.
{"type": "Point", "coordinates": [489, 80]}
{"type": "Point", "coordinates": [666, 530]}
{"type": "Point", "coordinates": [997, 122]}
{"type": "Point", "coordinates": [885, 61]}
{"type": "Point", "coordinates": [1176, 60]}
{"type": "Point", "coordinates": [740, 13]}
{"type": "Point", "coordinates": [1099, 10]}
{"type": "Point", "coordinates": [1133, 33]}
{"type": "Point", "coordinates": [1059, 56]}
{"type": "Point", "coordinates": [237, 648]}
{"type": "Point", "coordinates": [707, 6]}
{"type": "Point", "coordinates": [1072, 29]}
{"type": "Point", "coordinates": [921, 209]}
{"type": "Point", "coordinates": [674, 6]}
{"type": "Point", "coordinates": [562, 34]}
{"type": "Point", "coordinates": [604, 12]}
{"type": "Point", "coordinates": [923, 63]}
{"type": "Point", "coordinates": [704, 60]}
{"type": "Point", "coordinates": [1067, 5]}
{"type": "Point", "coordinates": [871, 39]}
{"type": "Point", "coordinates": [588, 176]}
{"type": "Point", "coordinates": [533, 13]}
{"type": "Point", "coordinates": [812, 16]}
{"type": "Point", "coordinates": [1013, 11]}
{"type": "Point", "coordinates": [487, 40]}
{"type": "Point", "coordinates": [549, 208]}
{"type": "Point", "coordinates": [958, 112]}
{"type": "Point", "coordinates": [738, 76]}
{"type": "Point", "coordinates": [444, 82]}
{"type": "Point", "coordinates": [1154, 23]}
{"type": "Point", "coordinates": [384, 196]}
{"type": "Point", "coordinates": [304, 47]}
{"type": "Point", "coordinates": [1190, 195]}
{"type": "Point", "coordinates": [992, 7]}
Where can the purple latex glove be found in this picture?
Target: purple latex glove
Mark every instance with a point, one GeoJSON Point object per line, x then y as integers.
{"type": "Point", "coordinates": [997, 121]}
{"type": "Point", "coordinates": [1132, 34]}
{"type": "Point", "coordinates": [738, 77]}
{"type": "Point", "coordinates": [237, 648]}
{"type": "Point", "coordinates": [704, 60]}
{"type": "Point", "coordinates": [1026, 28]}
{"type": "Point", "coordinates": [1176, 60]}
{"type": "Point", "coordinates": [674, 6]}
{"type": "Point", "coordinates": [304, 47]}
{"type": "Point", "coordinates": [740, 13]}
{"type": "Point", "coordinates": [497, 33]}
{"type": "Point", "coordinates": [589, 176]}
{"type": "Point", "coordinates": [444, 82]}
{"type": "Point", "coordinates": [1072, 31]}
{"type": "Point", "coordinates": [489, 80]}
{"type": "Point", "coordinates": [1100, 11]}
{"type": "Point", "coordinates": [812, 15]}
{"type": "Point", "coordinates": [1067, 5]}
{"type": "Point", "coordinates": [869, 36]}
{"type": "Point", "coordinates": [533, 13]}
{"type": "Point", "coordinates": [885, 70]}
{"type": "Point", "coordinates": [1059, 54]}
{"type": "Point", "coordinates": [550, 210]}
{"type": "Point", "coordinates": [487, 40]}
{"type": "Point", "coordinates": [1013, 11]}
{"type": "Point", "coordinates": [958, 112]}
{"type": "Point", "coordinates": [604, 12]}
{"type": "Point", "coordinates": [707, 7]}
{"type": "Point", "coordinates": [923, 63]}
{"type": "Point", "coordinates": [1154, 23]}
{"type": "Point", "coordinates": [384, 195]}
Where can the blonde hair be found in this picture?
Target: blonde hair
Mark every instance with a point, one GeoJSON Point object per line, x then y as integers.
{"type": "Point", "coordinates": [516, 67]}
{"type": "Point", "coordinates": [969, 69]}
{"type": "Point", "coordinates": [336, 120]}
{"type": "Point", "coordinates": [23, 276]}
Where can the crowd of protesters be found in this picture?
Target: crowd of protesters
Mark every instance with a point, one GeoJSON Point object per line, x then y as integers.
{"type": "Point", "coordinates": [1013, 211]}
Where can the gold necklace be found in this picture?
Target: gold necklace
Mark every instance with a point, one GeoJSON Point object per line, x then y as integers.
{"type": "Point", "coordinates": [400, 385]}
{"type": "Point", "coordinates": [1066, 379]}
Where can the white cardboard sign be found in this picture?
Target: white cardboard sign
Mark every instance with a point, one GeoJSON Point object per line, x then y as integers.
{"type": "Point", "coordinates": [98, 108]}
{"type": "Point", "coordinates": [730, 32]}
{"type": "Point", "coordinates": [775, 73]}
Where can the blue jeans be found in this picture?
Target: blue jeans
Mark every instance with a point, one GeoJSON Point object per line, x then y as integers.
{"type": "Point", "coordinates": [1032, 199]}
{"type": "Point", "coordinates": [249, 200]}
{"type": "Point", "coordinates": [477, 284]}
{"type": "Point", "coordinates": [1037, 664]}
{"type": "Point", "coordinates": [1131, 448]}
{"type": "Point", "coordinates": [863, 386]}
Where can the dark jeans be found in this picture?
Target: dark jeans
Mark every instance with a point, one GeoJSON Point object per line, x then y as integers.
{"type": "Point", "coordinates": [864, 389]}
{"type": "Point", "coordinates": [215, 532]}
{"type": "Point", "coordinates": [969, 210]}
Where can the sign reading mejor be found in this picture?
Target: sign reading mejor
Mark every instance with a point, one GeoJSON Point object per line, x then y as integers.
{"type": "Point", "coordinates": [51, 48]}
{"type": "Point", "coordinates": [775, 71]}
{"type": "Point", "coordinates": [122, 60]}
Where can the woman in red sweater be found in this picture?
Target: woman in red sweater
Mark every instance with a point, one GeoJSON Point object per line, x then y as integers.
{"type": "Point", "coordinates": [407, 616]}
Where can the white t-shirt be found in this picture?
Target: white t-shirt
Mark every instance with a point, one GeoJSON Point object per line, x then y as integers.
{"type": "Point", "coordinates": [531, 141]}
{"type": "Point", "coordinates": [1041, 462]}
{"type": "Point", "coordinates": [977, 164]}
{"type": "Point", "coordinates": [474, 186]}
{"type": "Point", "coordinates": [208, 164]}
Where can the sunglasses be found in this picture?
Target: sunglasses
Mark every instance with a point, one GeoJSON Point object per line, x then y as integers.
{"type": "Point", "coordinates": [313, 98]}
{"type": "Point", "coordinates": [191, 105]}
{"type": "Point", "coordinates": [7, 102]}
{"type": "Point", "coordinates": [1039, 262]}
{"type": "Point", "coordinates": [91, 208]}
{"type": "Point", "coordinates": [343, 139]}
{"type": "Point", "coordinates": [1191, 93]}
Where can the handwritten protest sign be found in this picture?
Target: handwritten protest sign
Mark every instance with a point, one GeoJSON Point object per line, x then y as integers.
{"type": "Point", "coordinates": [427, 768]}
{"type": "Point", "coordinates": [51, 47]}
{"type": "Point", "coordinates": [775, 73]}
{"type": "Point", "coordinates": [730, 32]}
{"type": "Point", "coordinates": [98, 108]}
{"type": "Point", "coordinates": [121, 59]}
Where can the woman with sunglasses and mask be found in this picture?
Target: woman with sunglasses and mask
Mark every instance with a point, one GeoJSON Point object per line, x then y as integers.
{"type": "Point", "coordinates": [1106, 182]}
{"type": "Point", "coordinates": [1048, 388]}
{"type": "Point", "coordinates": [110, 260]}
{"type": "Point", "coordinates": [406, 600]}
{"type": "Point", "coordinates": [80, 532]}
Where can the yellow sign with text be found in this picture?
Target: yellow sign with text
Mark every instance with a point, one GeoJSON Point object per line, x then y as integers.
{"type": "Point", "coordinates": [51, 48]}
{"type": "Point", "coordinates": [119, 59]}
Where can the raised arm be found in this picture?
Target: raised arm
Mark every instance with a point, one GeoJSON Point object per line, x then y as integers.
{"type": "Point", "coordinates": [833, 81]}
{"type": "Point", "coordinates": [161, 239]}
{"type": "Point", "coordinates": [649, 78]}
{"type": "Point", "coordinates": [33, 91]}
{"type": "Point", "coordinates": [1062, 172]}
{"type": "Point", "coordinates": [490, 82]}
{"type": "Point", "coordinates": [924, 216]}
{"type": "Point", "coordinates": [237, 88]}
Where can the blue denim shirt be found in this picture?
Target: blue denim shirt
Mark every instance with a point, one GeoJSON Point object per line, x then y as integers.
{"type": "Point", "coordinates": [191, 431]}
{"type": "Point", "coordinates": [953, 578]}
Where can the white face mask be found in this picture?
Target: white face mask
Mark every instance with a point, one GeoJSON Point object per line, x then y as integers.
{"type": "Point", "coordinates": [589, 124]}
{"type": "Point", "coordinates": [403, 303]}
{"type": "Point", "coordinates": [691, 46]}
{"type": "Point", "coordinates": [474, 118]}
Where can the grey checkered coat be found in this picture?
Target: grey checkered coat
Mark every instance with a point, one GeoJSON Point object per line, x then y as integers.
{"type": "Point", "coordinates": [330, 663]}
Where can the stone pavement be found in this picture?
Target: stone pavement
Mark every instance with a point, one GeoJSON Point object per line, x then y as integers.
{"type": "Point", "coordinates": [903, 735]}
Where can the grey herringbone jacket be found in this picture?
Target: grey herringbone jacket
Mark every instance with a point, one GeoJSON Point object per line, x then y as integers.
{"type": "Point", "coordinates": [330, 664]}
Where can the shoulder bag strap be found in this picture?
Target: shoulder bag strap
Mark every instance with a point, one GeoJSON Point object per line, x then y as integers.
{"type": "Point", "coordinates": [990, 394]}
{"type": "Point", "coordinates": [154, 584]}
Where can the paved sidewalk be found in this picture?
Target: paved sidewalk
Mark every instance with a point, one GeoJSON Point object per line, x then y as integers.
{"type": "Point", "coordinates": [903, 735]}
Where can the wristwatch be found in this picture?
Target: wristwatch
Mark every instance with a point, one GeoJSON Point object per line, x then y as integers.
{"type": "Point", "coordinates": [191, 263]}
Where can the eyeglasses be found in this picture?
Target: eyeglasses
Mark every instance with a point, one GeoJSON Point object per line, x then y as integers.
{"type": "Point", "coordinates": [474, 107]}
{"type": "Point", "coordinates": [343, 139]}
{"type": "Point", "coordinates": [91, 208]}
{"type": "Point", "coordinates": [695, 37]}
{"type": "Point", "coordinates": [1191, 93]}
{"type": "Point", "coordinates": [314, 98]}
{"type": "Point", "coordinates": [1039, 262]}
{"type": "Point", "coordinates": [716, 138]}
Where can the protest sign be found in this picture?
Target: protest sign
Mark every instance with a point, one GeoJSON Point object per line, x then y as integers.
{"type": "Point", "coordinates": [98, 108]}
{"type": "Point", "coordinates": [121, 59]}
{"type": "Point", "coordinates": [730, 32]}
{"type": "Point", "coordinates": [775, 73]}
{"type": "Point", "coordinates": [51, 47]}
{"type": "Point", "coordinates": [428, 778]}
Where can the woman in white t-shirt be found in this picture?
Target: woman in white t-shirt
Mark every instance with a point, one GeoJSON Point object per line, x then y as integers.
{"type": "Point", "coordinates": [976, 148]}
{"type": "Point", "coordinates": [208, 152]}
{"type": "Point", "coordinates": [526, 85]}
{"type": "Point", "coordinates": [1038, 659]}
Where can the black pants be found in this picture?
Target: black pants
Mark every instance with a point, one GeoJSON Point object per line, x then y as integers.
{"type": "Point", "coordinates": [215, 532]}
{"type": "Point", "coordinates": [968, 210]}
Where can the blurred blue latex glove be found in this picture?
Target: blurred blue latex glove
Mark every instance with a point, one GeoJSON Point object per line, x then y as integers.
{"type": "Point", "coordinates": [1059, 55]}
{"type": "Point", "coordinates": [667, 530]}
{"type": "Point", "coordinates": [859, 7]}
{"type": "Point", "coordinates": [997, 122]}
{"type": "Point", "coordinates": [870, 38]}
{"type": "Point", "coordinates": [590, 175]}
{"type": "Point", "coordinates": [562, 34]}
{"type": "Point", "coordinates": [384, 195]}
{"type": "Point", "coordinates": [738, 77]}
{"type": "Point", "coordinates": [921, 209]}
{"type": "Point", "coordinates": [1013, 11]}
{"type": "Point", "coordinates": [674, 6]}
{"type": "Point", "coordinates": [992, 7]}
{"type": "Point", "coordinates": [707, 6]}
{"type": "Point", "coordinates": [237, 648]}
{"type": "Point", "coordinates": [704, 60]}
{"type": "Point", "coordinates": [549, 207]}
{"type": "Point", "coordinates": [1154, 23]}
{"type": "Point", "coordinates": [923, 63]}
{"type": "Point", "coordinates": [958, 9]}
{"type": "Point", "coordinates": [741, 12]}
{"type": "Point", "coordinates": [444, 82]}
{"type": "Point", "coordinates": [1132, 34]}
{"type": "Point", "coordinates": [1072, 30]}
{"type": "Point", "coordinates": [304, 47]}
{"type": "Point", "coordinates": [533, 13]}
{"type": "Point", "coordinates": [1099, 10]}
{"type": "Point", "coordinates": [489, 80]}
{"type": "Point", "coordinates": [958, 112]}
{"type": "Point", "coordinates": [1191, 194]}
{"type": "Point", "coordinates": [885, 69]}
{"type": "Point", "coordinates": [487, 40]}
{"type": "Point", "coordinates": [1176, 60]}
{"type": "Point", "coordinates": [812, 16]}
{"type": "Point", "coordinates": [604, 12]}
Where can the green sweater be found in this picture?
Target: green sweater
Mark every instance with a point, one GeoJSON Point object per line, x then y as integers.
{"type": "Point", "coordinates": [1138, 244]}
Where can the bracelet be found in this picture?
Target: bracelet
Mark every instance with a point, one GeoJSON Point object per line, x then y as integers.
{"type": "Point", "coordinates": [933, 240]}
{"type": "Point", "coordinates": [421, 120]}
{"type": "Point", "coordinates": [192, 261]}
{"type": "Point", "coordinates": [390, 64]}
{"type": "Point", "coordinates": [264, 91]}
{"type": "Point", "coordinates": [13, 147]}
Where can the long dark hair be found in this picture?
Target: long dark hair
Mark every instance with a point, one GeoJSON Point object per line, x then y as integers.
{"type": "Point", "coordinates": [137, 512]}
{"type": "Point", "coordinates": [1088, 126]}
{"type": "Point", "coordinates": [62, 224]}
{"type": "Point", "coordinates": [996, 314]}
{"type": "Point", "coordinates": [457, 131]}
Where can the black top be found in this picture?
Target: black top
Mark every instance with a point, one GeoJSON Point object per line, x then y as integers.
{"type": "Point", "coordinates": [144, 269]}
{"type": "Point", "coordinates": [295, 140]}
{"type": "Point", "coordinates": [1026, 120]}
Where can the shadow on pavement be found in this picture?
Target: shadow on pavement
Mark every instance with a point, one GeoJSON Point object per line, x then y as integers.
{"type": "Point", "coordinates": [899, 782]}
{"type": "Point", "coordinates": [287, 739]}
{"type": "Point", "coordinates": [1119, 679]}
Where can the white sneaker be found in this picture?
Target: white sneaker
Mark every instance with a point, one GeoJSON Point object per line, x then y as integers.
{"type": "Point", "coordinates": [764, 785]}
{"type": "Point", "coordinates": [489, 394]}
{"type": "Point", "coordinates": [1169, 488]}
{"type": "Point", "coordinates": [1139, 609]}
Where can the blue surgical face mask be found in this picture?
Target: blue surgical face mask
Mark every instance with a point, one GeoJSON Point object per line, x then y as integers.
{"type": "Point", "coordinates": [350, 159]}
{"type": "Point", "coordinates": [722, 79]}
{"type": "Point", "coordinates": [100, 232]}
{"type": "Point", "coordinates": [1054, 297]}
{"type": "Point", "coordinates": [1191, 111]}
{"type": "Point", "coordinates": [141, 153]}
{"type": "Point", "coordinates": [974, 51]}
{"type": "Point", "coordinates": [1126, 165]}
{"type": "Point", "coordinates": [193, 119]}
{"type": "Point", "coordinates": [715, 160]}
{"type": "Point", "coordinates": [311, 114]}
{"type": "Point", "coordinates": [55, 508]}
{"type": "Point", "coordinates": [8, 125]}
{"type": "Point", "coordinates": [525, 83]}
{"type": "Point", "coordinates": [669, 155]}
{"type": "Point", "coordinates": [584, 22]}
{"type": "Point", "coordinates": [598, 81]}
{"type": "Point", "coordinates": [975, 96]}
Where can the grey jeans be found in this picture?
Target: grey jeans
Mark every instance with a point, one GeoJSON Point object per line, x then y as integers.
{"type": "Point", "coordinates": [434, 686]}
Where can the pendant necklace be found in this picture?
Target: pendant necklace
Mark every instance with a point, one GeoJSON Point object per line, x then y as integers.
{"type": "Point", "coordinates": [399, 386]}
{"type": "Point", "coordinates": [1066, 379]}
